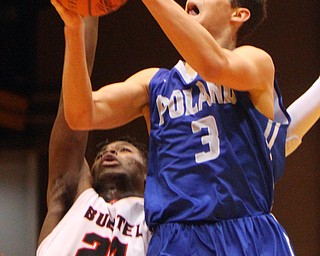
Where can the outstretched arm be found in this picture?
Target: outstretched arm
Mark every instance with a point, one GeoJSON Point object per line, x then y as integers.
{"type": "Point", "coordinates": [304, 112]}
{"type": "Point", "coordinates": [206, 49]}
{"type": "Point", "coordinates": [66, 152]}
{"type": "Point", "coordinates": [111, 106]}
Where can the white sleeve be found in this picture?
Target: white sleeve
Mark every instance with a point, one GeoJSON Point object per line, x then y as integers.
{"type": "Point", "coordinates": [304, 112]}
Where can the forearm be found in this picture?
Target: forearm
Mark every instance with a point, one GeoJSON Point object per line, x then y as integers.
{"type": "Point", "coordinates": [66, 149]}
{"type": "Point", "coordinates": [91, 39]}
{"type": "Point", "coordinates": [76, 84]}
{"type": "Point", "coordinates": [195, 44]}
{"type": "Point", "coordinates": [210, 50]}
{"type": "Point", "coordinates": [304, 112]}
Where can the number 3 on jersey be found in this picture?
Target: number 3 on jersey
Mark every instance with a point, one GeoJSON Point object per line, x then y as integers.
{"type": "Point", "coordinates": [211, 138]}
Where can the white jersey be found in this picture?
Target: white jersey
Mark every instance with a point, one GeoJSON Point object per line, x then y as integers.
{"type": "Point", "coordinates": [94, 227]}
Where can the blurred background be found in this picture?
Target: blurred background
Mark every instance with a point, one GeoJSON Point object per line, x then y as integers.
{"type": "Point", "coordinates": [31, 59]}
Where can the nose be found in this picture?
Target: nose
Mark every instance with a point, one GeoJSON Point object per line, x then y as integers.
{"type": "Point", "coordinates": [111, 151]}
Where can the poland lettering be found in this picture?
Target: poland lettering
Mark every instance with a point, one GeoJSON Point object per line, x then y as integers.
{"type": "Point", "coordinates": [182, 102]}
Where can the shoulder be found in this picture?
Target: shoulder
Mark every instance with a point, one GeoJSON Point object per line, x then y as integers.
{"type": "Point", "coordinates": [256, 56]}
{"type": "Point", "coordinates": [260, 64]}
{"type": "Point", "coordinates": [253, 52]}
{"type": "Point", "coordinates": [138, 84]}
{"type": "Point", "coordinates": [259, 78]}
{"type": "Point", "coordinates": [144, 76]}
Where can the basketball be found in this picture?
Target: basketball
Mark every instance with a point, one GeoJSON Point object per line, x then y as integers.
{"type": "Point", "coordinates": [93, 7]}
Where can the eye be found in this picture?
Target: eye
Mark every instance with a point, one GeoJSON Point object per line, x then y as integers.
{"type": "Point", "coordinates": [125, 149]}
{"type": "Point", "coordinates": [99, 155]}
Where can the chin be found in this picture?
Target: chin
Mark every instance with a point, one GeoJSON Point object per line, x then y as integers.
{"type": "Point", "coordinates": [113, 177]}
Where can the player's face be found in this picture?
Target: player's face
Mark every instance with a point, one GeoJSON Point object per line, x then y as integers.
{"type": "Point", "coordinates": [214, 15]}
{"type": "Point", "coordinates": [119, 158]}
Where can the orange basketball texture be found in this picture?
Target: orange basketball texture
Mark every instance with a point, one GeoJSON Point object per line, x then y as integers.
{"type": "Point", "coordinates": [93, 7]}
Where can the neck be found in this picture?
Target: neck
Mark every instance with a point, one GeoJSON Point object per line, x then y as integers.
{"type": "Point", "coordinates": [114, 194]}
{"type": "Point", "coordinates": [117, 189]}
{"type": "Point", "coordinates": [228, 43]}
{"type": "Point", "coordinates": [227, 38]}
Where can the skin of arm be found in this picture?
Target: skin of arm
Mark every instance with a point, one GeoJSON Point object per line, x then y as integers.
{"type": "Point", "coordinates": [66, 159]}
{"type": "Point", "coordinates": [120, 103]}
{"type": "Point", "coordinates": [304, 112]}
{"type": "Point", "coordinates": [69, 173]}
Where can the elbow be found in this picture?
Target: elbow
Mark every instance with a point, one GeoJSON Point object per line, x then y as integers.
{"type": "Point", "coordinates": [292, 143]}
{"type": "Point", "coordinates": [213, 71]}
{"type": "Point", "coordinates": [78, 121]}
{"type": "Point", "coordinates": [78, 117]}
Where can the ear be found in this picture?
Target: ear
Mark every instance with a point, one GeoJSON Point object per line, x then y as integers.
{"type": "Point", "coordinates": [240, 15]}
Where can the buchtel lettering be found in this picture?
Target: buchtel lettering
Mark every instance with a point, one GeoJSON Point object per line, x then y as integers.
{"type": "Point", "coordinates": [120, 223]}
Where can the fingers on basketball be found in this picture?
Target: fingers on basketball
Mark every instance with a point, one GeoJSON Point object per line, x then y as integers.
{"type": "Point", "coordinates": [93, 7]}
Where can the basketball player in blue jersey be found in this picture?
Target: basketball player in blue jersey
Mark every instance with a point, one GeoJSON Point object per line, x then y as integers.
{"type": "Point", "coordinates": [97, 212]}
{"type": "Point", "coordinates": [216, 122]}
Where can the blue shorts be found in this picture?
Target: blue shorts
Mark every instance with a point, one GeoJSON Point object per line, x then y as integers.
{"type": "Point", "coordinates": [260, 235]}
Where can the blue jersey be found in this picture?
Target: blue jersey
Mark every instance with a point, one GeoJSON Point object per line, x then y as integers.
{"type": "Point", "coordinates": [212, 155]}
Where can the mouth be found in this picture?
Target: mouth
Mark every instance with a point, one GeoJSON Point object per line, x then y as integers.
{"type": "Point", "coordinates": [109, 160]}
{"type": "Point", "coordinates": [192, 9]}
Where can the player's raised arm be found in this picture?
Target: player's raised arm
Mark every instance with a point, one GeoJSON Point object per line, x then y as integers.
{"type": "Point", "coordinates": [66, 152]}
{"type": "Point", "coordinates": [112, 106]}
{"type": "Point", "coordinates": [202, 44]}
{"type": "Point", "coordinates": [304, 112]}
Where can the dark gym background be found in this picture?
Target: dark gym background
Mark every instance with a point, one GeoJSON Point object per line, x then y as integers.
{"type": "Point", "coordinates": [32, 48]}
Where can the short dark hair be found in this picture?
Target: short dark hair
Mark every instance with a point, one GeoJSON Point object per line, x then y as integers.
{"type": "Point", "coordinates": [258, 11]}
{"type": "Point", "coordinates": [140, 146]}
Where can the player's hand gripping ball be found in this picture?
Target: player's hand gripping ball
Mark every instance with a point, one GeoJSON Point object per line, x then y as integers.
{"type": "Point", "coordinates": [93, 7]}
